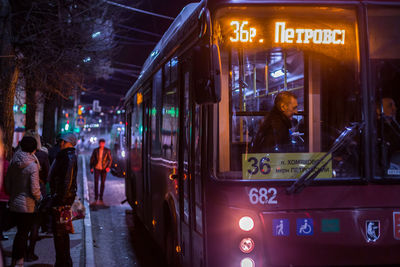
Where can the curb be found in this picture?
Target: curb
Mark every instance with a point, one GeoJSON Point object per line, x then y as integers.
{"type": "Point", "coordinates": [89, 251]}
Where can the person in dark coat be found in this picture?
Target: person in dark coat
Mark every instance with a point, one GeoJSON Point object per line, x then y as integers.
{"type": "Point", "coordinates": [273, 134]}
{"type": "Point", "coordinates": [100, 164]}
{"type": "Point", "coordinates": [63, 187]}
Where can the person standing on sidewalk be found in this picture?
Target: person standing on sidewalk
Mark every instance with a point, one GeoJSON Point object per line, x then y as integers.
{"type": "Point", "coordinates": [22, 185]}
{"type": "Point", "coordinates": [100, 164]}
{"type": "Point", "coordinates": [43, 159]}
{"type": "Point", "coordinates": [63, 187]}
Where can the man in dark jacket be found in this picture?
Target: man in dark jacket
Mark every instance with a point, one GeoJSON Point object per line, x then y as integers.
{"type": "Point", "coordinates": [100, 164]}
{"type": "Point", "coordinates": [63, 189]}
{"type": "Point", "coordinates": [273, 134]}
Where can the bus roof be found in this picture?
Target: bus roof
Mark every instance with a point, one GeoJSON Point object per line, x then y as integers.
{"type": "Point", "coordinates": [170, 39]}
{"type": "Point", "coordinates": [189, 15]}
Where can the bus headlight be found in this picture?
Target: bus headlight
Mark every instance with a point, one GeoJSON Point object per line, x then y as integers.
{"type": "Point", "coordinates": [246, 245]}
{"type": "Point", "coordinates": [247, 262]}
{"type": "Point", "coordinates": [246, 223]}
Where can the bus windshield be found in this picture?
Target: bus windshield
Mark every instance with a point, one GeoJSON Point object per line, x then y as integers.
{"type": "Point", "coordinates": [290, 88]}
{"type": "Point", "coordinates": [384, 53]}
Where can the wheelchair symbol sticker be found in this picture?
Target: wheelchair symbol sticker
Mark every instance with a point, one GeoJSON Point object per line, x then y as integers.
{"type": "Point", "coordinates": [305, 226]}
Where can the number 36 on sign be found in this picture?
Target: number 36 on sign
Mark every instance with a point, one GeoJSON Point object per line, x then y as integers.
{"type": "Point", "coordinates": [263, 196]}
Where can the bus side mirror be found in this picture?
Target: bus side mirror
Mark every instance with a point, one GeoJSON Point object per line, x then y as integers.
{"type": "Point", "coordinates": [207, 74]}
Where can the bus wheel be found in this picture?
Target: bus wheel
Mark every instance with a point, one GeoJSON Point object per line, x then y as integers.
{"type": "Point", "coordinates": [171, 242]}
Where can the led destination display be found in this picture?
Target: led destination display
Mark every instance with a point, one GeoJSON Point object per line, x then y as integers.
{"type": "Point", "coordinates": [243, 33]}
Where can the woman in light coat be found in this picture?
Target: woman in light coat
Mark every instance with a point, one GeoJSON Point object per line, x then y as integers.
{"type": "Point", "coordinates": [22, 185]}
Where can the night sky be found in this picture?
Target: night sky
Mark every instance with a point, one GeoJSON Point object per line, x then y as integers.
{"type": "Point", "coordinates": [134, 49]}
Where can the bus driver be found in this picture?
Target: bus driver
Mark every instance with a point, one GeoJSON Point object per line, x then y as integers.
{"type": "Point", "coordinates": [273, 134]}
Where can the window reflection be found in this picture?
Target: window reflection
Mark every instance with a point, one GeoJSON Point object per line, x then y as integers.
{"type": "Point", "coordinates": [170, 113]}
{"type": "Point", "coordinates": [136, 134]}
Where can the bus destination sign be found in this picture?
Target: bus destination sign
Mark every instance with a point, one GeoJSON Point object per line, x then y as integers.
{"type": "Point", "coordinates": [260, 166]}
{"type": "Point", "coordinates": [244, 32]}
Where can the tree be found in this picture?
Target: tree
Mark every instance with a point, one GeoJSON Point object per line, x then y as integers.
{"type": "Point", "coordinates": [62, 42]}
{"type": "Point", "coordinates": [9, 73]}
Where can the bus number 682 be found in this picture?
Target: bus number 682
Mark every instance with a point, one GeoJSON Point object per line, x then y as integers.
{"type": "Point", "coordinates": [263, 196]}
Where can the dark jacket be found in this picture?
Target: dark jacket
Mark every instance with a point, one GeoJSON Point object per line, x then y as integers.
{"type": "Point", "coordinates": [44, 169]}
{"type": "Point", "coordinates": [53, 152]}
{"type": "Point", "coordinates": [273, 134]}
{"type": "Point", "coordinates": [107, 160]}
{"type": "Point", "coordinates": [62, 177]}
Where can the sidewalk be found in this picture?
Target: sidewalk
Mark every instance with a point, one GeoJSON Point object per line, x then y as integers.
{"type": "Point", "coordinates": [45, 247]}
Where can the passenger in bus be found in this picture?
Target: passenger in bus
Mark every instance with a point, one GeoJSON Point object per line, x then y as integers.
{"type": "Point", "coordinates": [391, 128]}
{"type": "Point", "coordinates": [274, 132]}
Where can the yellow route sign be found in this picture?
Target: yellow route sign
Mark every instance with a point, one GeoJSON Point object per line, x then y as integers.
{"type": "Point", "coordinates": [260, 166]}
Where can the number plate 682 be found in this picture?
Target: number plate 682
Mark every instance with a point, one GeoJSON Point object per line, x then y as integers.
{"type": "Point", "coordinates": [263, 196]}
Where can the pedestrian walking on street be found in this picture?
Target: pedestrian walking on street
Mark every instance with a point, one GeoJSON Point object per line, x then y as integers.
{"type": "Point", "coordinates": [63, 187]}
{"type": "Point", "coordinates": [22, 185]}
{"type": "Point", "coordinates": [100, 164]}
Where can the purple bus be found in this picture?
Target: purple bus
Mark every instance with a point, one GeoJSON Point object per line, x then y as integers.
{"type": "Point", "coordinates": [209, 195]}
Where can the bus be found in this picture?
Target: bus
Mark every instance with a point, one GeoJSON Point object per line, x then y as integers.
{"type": "Point", "coordinates": [209, 196]}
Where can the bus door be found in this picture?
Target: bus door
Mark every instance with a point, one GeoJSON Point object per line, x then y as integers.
{"type": "Point", "coordinates": [190, 161]}
{"type": "Point", "coordinates": [184, 166]}
{"type": "Point", "coordinates": [147, 207]}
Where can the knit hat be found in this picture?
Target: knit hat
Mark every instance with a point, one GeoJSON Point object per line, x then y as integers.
{"type": "Point", "coordinates": [69, 138]}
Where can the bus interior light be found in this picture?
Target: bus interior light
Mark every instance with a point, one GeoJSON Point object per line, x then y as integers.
{"type": "Point", "coordinates": [247, 262]}
{"type": "Point", "coordinates": [246, 223]}
{"type": "Point", "coordinates": [278, 73]}
{"type": "Point", "coordinates": [246, 245]}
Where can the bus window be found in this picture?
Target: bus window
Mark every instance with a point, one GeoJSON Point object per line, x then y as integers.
{"type": "Point", "coordinates": [274, 50]}
{"type": "Point", "coordinates": [136, 133]}
{"type": "Point", "coordinates": [170, 119]}
{"type": "Point", "coordinates": [197, 170]}
{"type": "Point", "coordinates": [156, 114]}
{"type": "Point", "coordinates": [174, 69]}
{"type": "Point", "coordinates": [384, 44]}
